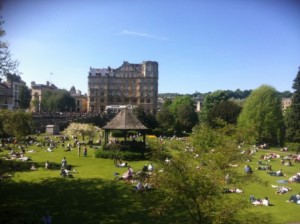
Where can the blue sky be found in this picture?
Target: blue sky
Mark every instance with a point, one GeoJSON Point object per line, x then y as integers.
{"type": "Point", "coordinates": [200, 45]}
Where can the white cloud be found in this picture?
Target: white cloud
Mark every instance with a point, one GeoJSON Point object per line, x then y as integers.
{"type": "Point", "coordinates": [146, 35]}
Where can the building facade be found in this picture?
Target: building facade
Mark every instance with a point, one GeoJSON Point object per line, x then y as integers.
{"type": "Point", "coordinates": [130, 84]}
{"type": "Point", "coordinates": [80, 100]}
{"type": "Point", "coordinates": [10, 92]}
{"type": "Point", "coordinates": [285, 103]}
{"type": "Point", "coordinates": [37, 92]}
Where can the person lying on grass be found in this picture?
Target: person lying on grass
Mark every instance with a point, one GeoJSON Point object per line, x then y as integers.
{"type": "Point", "coordinates": [276, 173]}
{"type": "Point", "coordinates": [281, 189]}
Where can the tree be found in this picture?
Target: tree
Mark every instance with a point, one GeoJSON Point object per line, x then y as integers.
{"type": "Point", "coordinates": [147, 119]}
{"type": "Point", "coordinates": [194, 185]}
{"type": "Point", "coordinates": [187, 118]}
{"type": "Point", "coordinates": [210, 101]}
{"type": "Point", "coordinates": [15, 123]}
{"type": "Point", "coordinates": [164, 116]}
{"type": "Point", "coordinates": [7, 65]}
{"type": "Point", "coordinates": [75, 129]}
{"type": "Point", "coordinates": [261, 119]}
{"type": "Point", "coordinates": [292, 116]}
{"type": "Point", "coordinates": [24, 97]}
{"type": "Point", "coordinates": [57, 101]}
{"type": "Point", "coordinates": [227, 111]}
{"type": "Point", "coordinates": [184, 113]}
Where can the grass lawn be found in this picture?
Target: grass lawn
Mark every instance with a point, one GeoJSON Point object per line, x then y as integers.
{"type": "Point", "coordinates": [94, 196]}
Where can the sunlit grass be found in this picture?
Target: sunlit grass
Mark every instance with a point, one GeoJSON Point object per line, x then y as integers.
{"type": "Point", "coordinates": [94, 196]}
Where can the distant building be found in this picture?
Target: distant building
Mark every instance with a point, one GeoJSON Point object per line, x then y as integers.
{"type": "Point", "coordinates": [10, 90]}
{"type": "Point", "coordinates": [130, 84]}
{"type": "Point", "coordinates": [6, 96]}
{"type": "Point", "coordinates": [37, 93]}
{"type": "Point", "coordinates": [80, 100]}
{"type": "Point", "coordinates": [285, 103]}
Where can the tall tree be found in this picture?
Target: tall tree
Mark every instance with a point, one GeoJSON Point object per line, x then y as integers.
{"type": "Point", "coordinates": [147, 119]}
{"type": "Point", "coordinates": [261, 119]}
{"type": "Point", "coordinates": [227, 111]}
{"type": "Point", "coordinates": [24, 97]}
{"type": "Point", "coordinates": [194, 185]}
{"type": "Point", "coordinates": [183, 110]}
{"type": "Point", "coordinates": [210, 101]}
{"type": "Point", "coordinates": [7, 64]}
{"type": "Point", "coordinates": [16, 123]}
{"type": "Point", "coordinates": [165, 117]}
{"type": "Point", "coordinates": [292, 116]}
{"type": "Point", "coordinates": [58, 101]}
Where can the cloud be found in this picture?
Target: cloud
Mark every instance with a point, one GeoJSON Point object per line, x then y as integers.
{"type": "Point", "coordinates": [139, 34]}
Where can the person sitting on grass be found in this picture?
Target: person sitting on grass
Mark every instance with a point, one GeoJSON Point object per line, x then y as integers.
{"type": "Point", "coordinates": [33, 168]}
{"type": "Point", "coordinates": [47, 165]}
{"type": "Point", "coordinates": [128, 175]}
{"type": "Point", "coordinates": [121, 164]}
{"type": "Point", "coordinates": [258, 201]}
{"type": "Point", "coordinates": [248, 169]}
{"type": "Point", "coordinates": [295, 198]}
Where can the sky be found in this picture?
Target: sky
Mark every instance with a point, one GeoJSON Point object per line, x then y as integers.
{"type": "Point", "coordinates": [200, 45]}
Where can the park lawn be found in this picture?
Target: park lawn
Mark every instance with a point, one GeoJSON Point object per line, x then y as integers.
{"type": "Point", "coordinates": [94, 196]}
{"type": "Point", "coordinates": [280, 210]}
{"type": "Point", "coordinates": [91, 196]}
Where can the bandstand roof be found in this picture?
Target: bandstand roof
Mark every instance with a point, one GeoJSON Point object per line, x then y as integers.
{"type": "Point", "coordinates": [125, 120]}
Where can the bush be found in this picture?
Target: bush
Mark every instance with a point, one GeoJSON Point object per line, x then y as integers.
{"type": "Point", "coordinates": [117, 134]}
{"type": "Point", "coordinates": [294, 147]}
{"type": "Point", "coordinates": [123, 155]}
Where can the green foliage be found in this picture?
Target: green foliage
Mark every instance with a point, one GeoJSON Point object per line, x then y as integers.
{"type": "Point", "coordinates": [15, 123]}
{"type": "Point", "coordinates": [57, 101]}
{"type": "Point", "coordinates": [295, 147]}
{"type": "Point", "coordinates": [147, 119]}
{"type": "Point", "coordinates": [123, 155]}
{"type": "Point", "coordinates": [292, 116]}
{"type": "Point", "coordinates": [227, 111]}
{"type": "Point", "coordinates": [164, 117]}
{"type": "Point", "coordinates": [186, 119]}
{"type": "Point", "coordinates": [210, 101]}
{"type": "Point", "coordinates": [7, 64]}
{"type": "Point", "coordinates": [195, 184]}
{"type": "Point", "coordinates": [261, 119]}
{"type": "Point", "coordinates": [178, 115]}
{"type": "Point", "coordinates": [24, 97]}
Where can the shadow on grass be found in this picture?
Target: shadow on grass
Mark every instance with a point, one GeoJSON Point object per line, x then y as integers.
{"type": "Point", "coordinates": [71, 201]}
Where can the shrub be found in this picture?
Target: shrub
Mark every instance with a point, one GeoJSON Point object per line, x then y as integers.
{"type": "Point", "coordinates": [124, 155]}
{"type": "Point", "coordinates": [117, 134]}
{"type": "Point", "coordinates": [294, 147]}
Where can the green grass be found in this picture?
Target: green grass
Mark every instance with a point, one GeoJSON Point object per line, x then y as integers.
{"type": "Point", "coordinates": [280, 211]}
{"type": "Point", "coordinates": [93, 196]}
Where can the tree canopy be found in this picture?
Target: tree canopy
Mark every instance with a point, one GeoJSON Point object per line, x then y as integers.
{"type": "Point", "coordinates": [261, 119]}
{"type": "Point", "coordinates": [193, 181]}
{"type": "Point", "coordinates": [7, 64]}
{"type": "Point", "coordinates": [292, 116]}
{"type": "Point", "coordinates": [58, 101]}
{"type": "Point", "coordinates": [15, 123]}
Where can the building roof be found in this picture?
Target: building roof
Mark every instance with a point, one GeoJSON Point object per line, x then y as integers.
{"type": "Point", "coordinates": [125, 120]}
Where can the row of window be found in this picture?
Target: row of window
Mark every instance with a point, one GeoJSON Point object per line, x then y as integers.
{"type": "Point", "coordinates": [123, 100]}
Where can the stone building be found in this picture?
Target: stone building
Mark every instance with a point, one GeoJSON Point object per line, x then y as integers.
{"type": "Point", "coordinates": [37, 92]}
{"type": "Point", "coordinates": [10, 91]}
{"type": "Point", "coordinates": [130, 84]}
{"type": "Point", "coordinates": [80, 100]}
{"type": "Point", "coordinates": [285, 103]}
{"type": "Point", "coordinates": [6, 96]}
